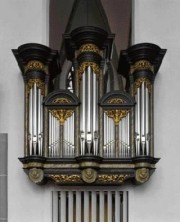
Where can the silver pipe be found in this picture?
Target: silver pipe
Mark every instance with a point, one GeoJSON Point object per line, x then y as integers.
{"type": "Point", "coordinates": [30, 122]}
{"type": "Point", "coordinates": [83, 113]}
{"type": "Point", "coordinates": [50, 134]}
{"type": "Point", "coordinates": [128, 133]}
{"type": "Point", "coordinates": [89, 110]}
{"type": "Point", "coordinates": [120, 137]}
{"type": "Point", "coordinates": [34, 118]}
{"type": "Point", "coordinates": [138, 120]}
{"type": "Point", "coordinates": [95, 122]}
{"type": "Point", "coordinates": [147, 121]}
{"type": "Point", "coordinates": [73, 153]}
{"type": "Point", "coordinates": [68, 138]}
{"type": "Point", "coordinates": [41, 124]}
{"type": "Point", "coordinates": [39, 120]}
{"type": "Point", "coordinates": [105, 134]}
{"type": "Point", "coordinates": [143, 117]}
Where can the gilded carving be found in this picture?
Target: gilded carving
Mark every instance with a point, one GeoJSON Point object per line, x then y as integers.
{"type": "Point", "coordinates": [61, 101]}
{"type": "Point", "coordinates": [62, 114]}
{"type": "Point", "coordinates": [139, 82]}
{"type": "Point", "coordinates": [40, 84]}
{"type": "Point", "coordinates": [35, 65]}
{"type": "Point", "coordinates": [36, 175]}
{"type": "Point", "coordinates": [114, 178]}
{"type": "Point", "coordinates": [142, 175]}
{"type": "Point", "coordinates": [116, 101]}
{"type": "Point", "coordinates": [89, 175]}
{"type": "Point", "coordinates": [141, 65]}
{"type": "Point", "coordinates": [117, 114]}
{"type": "Point", "coordinates": [89, 48]}
{"type": "Point", "coordinates": [84, 65]}
{"type": "Point", "coordinates": [65, 178]}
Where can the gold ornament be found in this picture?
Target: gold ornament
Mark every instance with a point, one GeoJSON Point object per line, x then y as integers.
{"type": "Point", "coordinates": [141, 65]}
{"type": "Point", "coordinates": [40, 84]}
{"type": "Point", "coordinates": [61, 101]}
{"type": "Point", "coordinates": [116, 101]}
{"type": "Point", "coordinates": [62, 114]}
{"type": "Point", "coordinates": [35, 65]}
{"type": "Point", "coordinates": [117, 114]}
{"type": "Point", "coordinates": [114, 178]}
{"type": "Point", "coordinates": [84, 65]}
{"type": "Point", "coordinates": [89, 48]}
{"type": "Point", "coordinates": [138, 83]}
{"type": "Point", "coordinates": [65, 178]}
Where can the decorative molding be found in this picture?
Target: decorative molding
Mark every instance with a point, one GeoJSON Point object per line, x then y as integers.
{"type": "Point", "coordinates": [117, 114]}
{"type": "Point", "coordinates": [61, 101]}
{"type": "Point", "coordinates": [65, 178]}
{"type": "Point", "coordinates": [141, 65]}
{"type": "Point", "coordinates": [89, 175]}
{"type": "Point", "coordinates": [62, 114]}
{"type": "Point", "coordinates": [84, 65]}
{"type": "Point", "coordinates": [89, 48]}
{"type": "Point", "coordinates": [142, 175]}
{"type": "Point", "coordinates": [116, 101]}
{"type": "Point", "coordinates": [138, 82]}
{"type": "Point", "coordinates": [114, 178]}
{"type": "Point", "coordinates": [36, 175]}
{"type": "Point", "coordinates": [35, 65]}
{"type": "Point", "coordinates": [40, 84]}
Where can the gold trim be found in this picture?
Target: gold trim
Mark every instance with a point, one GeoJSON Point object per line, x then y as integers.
{"type": "Point", "coordinates": [62, 114]}
{"type": "Point", "coordinates": [35, 65]}
{"type": "Point", "coordinates": [116, 101]}
{"type": "Point", "coordinates": [61, 101]}
{"type": "Point", "coordinates": [141, 65]}
{"type": "Point", "coordinates": [114, 178]}
{"type": "Point", "coordinates": [40, 84]}
{"type": "Point", "coordinates": [65, 178]}
{"type": "Point", "coordinates": [117, 115]}
{"type": "Point", "coordinates": [138, 83]}
{"type": "Point", "coordinates": [89, 48]}
{"type": "Point", "coordinates": [84, 65]}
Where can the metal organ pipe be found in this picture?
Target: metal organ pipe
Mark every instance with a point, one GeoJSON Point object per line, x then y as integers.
{"type": "Point", "coordinates": [30, 121]}
{"type": "Point", "coordinates": [147, 121]}
{"type": "Point", "coordinates": [83, 113]}
{"type": "Point", "coordinates": [143, 118]}
{"type": "Point", "coordinates": [89, 109]}
{"type": "Point", "coordinates": [34, 118]}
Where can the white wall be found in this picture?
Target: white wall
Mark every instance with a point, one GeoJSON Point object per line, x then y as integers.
{"type": "Point", "coordinates": [159, 199]}
{"type": "Point", "coordinates": [21, 21]}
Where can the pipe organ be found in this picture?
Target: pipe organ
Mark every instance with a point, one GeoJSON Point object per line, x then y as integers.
{"type": "Point", "coordinates": [88, 132]}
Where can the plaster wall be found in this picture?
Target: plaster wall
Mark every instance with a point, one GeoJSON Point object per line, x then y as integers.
{"type": "Point", "coordinates": [21, 21]}
{"type": "Point", "coordinates": [159, 199]}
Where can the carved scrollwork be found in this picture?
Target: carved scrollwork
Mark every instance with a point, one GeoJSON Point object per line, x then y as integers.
{"type": "Point", "coordinates": [35, 65]}
{"type": "Point", "coordinates": [62, 114]}
{"type": "Point", "coordinates": [65, 178]}
{"type": "Point", "coordinates": [36, 175]}
{"type": "Point", "coordinates": [84, 65]}
{"type": "Point", "coordinates": [116, 101]}
{"type": "Point", "coordinates": [89, 48]}
{"type": "Point", "coordinates": [113, 178]}
{"type": "Point", "coordinates": [142, 175]}
{"type": "Point", "coordinates": [116, 115]}
{"type": "Point", "coordinates": [40, 84]}
{"type": "Point", "coordinates": [141, 65]}
{"type": "Point", "coordinates": [61, 101]}
{"type": "Point", "coordinates": [139, 82]}
{"type": "Point", "coordinates": [89, 175]}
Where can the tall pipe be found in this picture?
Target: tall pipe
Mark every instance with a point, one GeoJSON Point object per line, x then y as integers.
{"type": "Point", "coordinates": [34, 118]}
{"type": "Point", "coordinates": [147, 121]}
{"type": "Point", "coordinates": [30, 122]}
